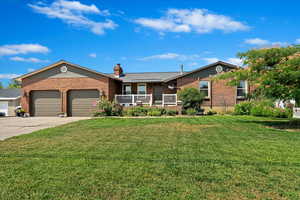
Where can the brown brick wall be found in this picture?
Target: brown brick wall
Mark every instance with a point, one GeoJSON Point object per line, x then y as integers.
{"type": "Point", "coordinates": [221, 95]}
{"type": "Point", "coordinates": [104, 84]}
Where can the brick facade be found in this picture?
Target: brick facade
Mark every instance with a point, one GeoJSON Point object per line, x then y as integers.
{"type": "Point", "coordinates": [64, 85]}
{"type": "Point", "coordinates": [221, 97]}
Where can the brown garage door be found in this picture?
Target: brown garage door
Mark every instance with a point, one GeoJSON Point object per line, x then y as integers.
{"type": "Point", "coordinates": [82, 102]}
{"type": "Point", "coordinates": [45, 103]}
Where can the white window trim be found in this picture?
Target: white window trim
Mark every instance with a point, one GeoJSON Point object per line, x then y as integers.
{"type": "Point", "coordinates": [139, 84]}
{"type": "Point", "coordinates": [209, 88]}
{"type": "Point", "coordinates": [246, 91]}
{"type": "Point", "coordinates": [126, 84]}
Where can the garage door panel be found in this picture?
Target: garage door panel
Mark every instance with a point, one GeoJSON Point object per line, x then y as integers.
{"type": "Point", "coordinates": [82, 102]}
{"type": "Point", "coordinates": [45, 103]}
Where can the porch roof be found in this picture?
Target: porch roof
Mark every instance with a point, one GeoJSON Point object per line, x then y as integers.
{"type": "Point", "coordinates": [147, 77]}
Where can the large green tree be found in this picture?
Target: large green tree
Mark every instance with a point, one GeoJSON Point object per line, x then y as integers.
{"type": "Point", "coordinates": [1, 86]}
{"type": "Point", "coordinates": [274, 71]}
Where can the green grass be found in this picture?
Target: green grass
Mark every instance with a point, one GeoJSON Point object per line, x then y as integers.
{"type": "Point", "coordinates": [213, 157]}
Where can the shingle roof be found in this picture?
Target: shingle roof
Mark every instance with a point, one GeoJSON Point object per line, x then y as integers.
{"type": "Point", "coordinates": [10, 93]}
{"type": "Point", "coordinates": [147, 76]}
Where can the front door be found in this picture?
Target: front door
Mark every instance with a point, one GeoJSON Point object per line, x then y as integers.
{"type": "Point", "coordinates": [157, 93]}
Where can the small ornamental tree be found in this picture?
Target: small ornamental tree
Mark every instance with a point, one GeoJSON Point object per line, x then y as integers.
{"type": "Point", "coordinates": [14, 84]}
{"type": "Point", "coordinates": [274, 71]}
{"type": "Point", "coordinates": [191, 98]}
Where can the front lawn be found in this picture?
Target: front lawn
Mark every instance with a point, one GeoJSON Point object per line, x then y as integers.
{"type": "Point", "coordinates": [213, 157]}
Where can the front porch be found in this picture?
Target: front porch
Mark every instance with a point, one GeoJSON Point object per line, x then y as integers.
{"type": "Point", "coordinates": [146, 99]}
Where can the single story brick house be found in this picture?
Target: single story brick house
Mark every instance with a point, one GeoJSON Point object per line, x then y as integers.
{"type": "Point", "coordinates": [9, 100]}
{"type": "Point", "coordinates": [66, 88]}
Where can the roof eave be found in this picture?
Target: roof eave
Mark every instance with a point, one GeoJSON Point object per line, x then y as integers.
{"type": "Point", "coordinates": [202, 68]}
{"type": "Point", "coordinates": [62, 62]}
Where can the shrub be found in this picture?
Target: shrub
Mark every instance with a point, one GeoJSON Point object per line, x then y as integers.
{"type": "Point", "coordinates": [191, 98]}
{"type": "Point", "coordinates": [191, 111]}
{"type": "Point", "coordinates": [154, 112]}
{"type": "Point", "coordinates": [137, 111]}
{"type": "Point", "coordinates": [108, 108]}
{"type": "Point", "coordinates": [171, 112]}
{"type": "Point", "coordinates": [243, 108]}
{"type": "Point", "coordinates": [211, 112]}
{"type": "Point", "coordinates": [117, 110]}
{"type": "Point", "coordinates": [100, 114]}
{"type": "Point", "coordinates": [282, 113]}
{"type": "Point", "coordinates": [261, 110]}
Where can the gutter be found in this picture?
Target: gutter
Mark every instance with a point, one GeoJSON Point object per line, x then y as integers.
{"type": "Point", "coordinates": [8, 98]}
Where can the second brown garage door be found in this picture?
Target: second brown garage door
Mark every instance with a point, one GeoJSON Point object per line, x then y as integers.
{"type": "Point", "coordinates": [82, 102]}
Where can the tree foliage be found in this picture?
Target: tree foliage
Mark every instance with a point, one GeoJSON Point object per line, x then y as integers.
{"type": "Point", "coordinates": [1, 86]}
{"type": "Point", "coordinates": [14, 84]}
{"type": "Point", "coordinates": [274, 71]}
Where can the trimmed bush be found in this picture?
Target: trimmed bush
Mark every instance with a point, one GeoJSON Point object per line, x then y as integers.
{"type": "Point", "coordinates": [191, 111]}
{"type": "Point", "coordinates": [137, 111]}
{"type": "Point", "coordinates": [154, 113]}
{"type": "Point", "coordinates": [171, 112]}
{"type": "Point", "coordinates": [243, 108]}
{"type": "Point", "coordinates": [282, 113]}
{"type": "Point", "coordinates": [211, 112]}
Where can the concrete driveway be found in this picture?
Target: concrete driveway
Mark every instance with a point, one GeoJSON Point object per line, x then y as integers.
{"type": "Point", "coordinates": [13, 126]}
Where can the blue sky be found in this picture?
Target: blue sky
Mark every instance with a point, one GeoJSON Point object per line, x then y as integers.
{"type": "Point", "coordinates": [143, 36]}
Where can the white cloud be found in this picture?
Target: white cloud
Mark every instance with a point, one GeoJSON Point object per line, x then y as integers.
{"type": "Point", "coordinates": [30, 70]}
{"type": "Point", "coordinates": [77, 6]}
{"type": "Point", "coordinates": [22, 49]}
{"type": "Point", "coordinates": [72, 12]}
{"type": "Point", "coordinates": [210, 60]}
{"type": "Point", "coordinates": [32, 60]}
{"type": "Point", "coordinates": [262, 42]}
{"type": "Point", "coordinates": [192, 64]}
{"type": "Point", "coordinates": [257, 41]}
{"type": "Point", "coordinates": [93, 55]}
{"type": "Point", "coordinates": [235, 61]}
{"type": "Point", "coordinates": [170, 56]}
{"type": "Point", "coordinates": [192, 20]}
{"type": "Point", "coordinates": [8, 76]}
{"type": "Point", "coordinates": [298, 41]}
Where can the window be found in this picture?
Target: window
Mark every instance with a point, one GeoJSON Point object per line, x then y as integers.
{"type": "Point", "coordinates": [204, 87]}
{"type": "Point", "coordinates": [126, 89]}
{"type": "Point", "coordinates": [141, 89]}
{"type": "Point", "coordinates": [242, 89]}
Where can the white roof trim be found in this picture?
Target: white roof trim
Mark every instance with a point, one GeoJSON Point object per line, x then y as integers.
{"type": "Point", "coordinates": [7, 98]}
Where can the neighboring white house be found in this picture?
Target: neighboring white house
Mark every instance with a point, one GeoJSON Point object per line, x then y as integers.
{"type": "Point", "coordinates": [9, 100]}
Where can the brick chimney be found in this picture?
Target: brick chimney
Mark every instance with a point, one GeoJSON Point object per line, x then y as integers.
{"type": "Point", "coordinates": [118, 71]}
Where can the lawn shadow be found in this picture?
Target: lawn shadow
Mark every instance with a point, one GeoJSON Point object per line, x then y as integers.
{"type": "Point", "coordinates": [281, 124]}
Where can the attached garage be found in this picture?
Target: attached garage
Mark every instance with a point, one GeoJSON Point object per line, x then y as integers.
{"type": "Point", "coordinates": [82, 102]}
{"type": "Point", "coordinates": [9, 100]}
{"type": "Point", "coordinates": [45, 103]}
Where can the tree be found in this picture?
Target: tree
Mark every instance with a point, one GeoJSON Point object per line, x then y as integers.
{"type": "Point", "coordinates": [14, 84]}
{"type": "Point", "coordinates": [191, 98]}
{"type": "Point", "coordinates": [1, 86]}
{"type": "Point", "coordinates": [275, 72]}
